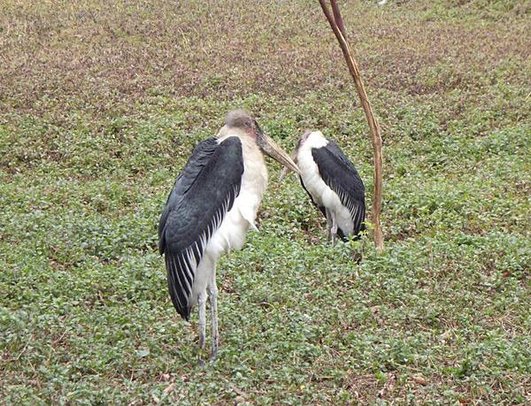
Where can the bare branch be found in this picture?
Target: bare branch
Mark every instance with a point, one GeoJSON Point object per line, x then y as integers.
{"type": "Point", "coordinates": [338, 19]}
{"type": "Point", "coordinates": [373, 123]}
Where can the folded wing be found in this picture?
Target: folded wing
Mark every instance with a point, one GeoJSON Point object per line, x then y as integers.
{"type": "Point", "coordinates": [202, 195]}
{"type": "Point", "coordinates": [341, 176]}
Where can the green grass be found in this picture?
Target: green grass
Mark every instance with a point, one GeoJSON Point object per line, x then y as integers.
{"type": "Point", "coordinates": [100, 106]}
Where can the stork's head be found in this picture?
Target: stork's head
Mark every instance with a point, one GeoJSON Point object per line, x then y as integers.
{"type": "Point", "coordinates": [241, 120]}
{"type": "Point", "coordinates": [302, 139]}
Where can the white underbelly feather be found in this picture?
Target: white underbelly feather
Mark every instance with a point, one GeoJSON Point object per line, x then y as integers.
{"type": "Point", "coordinates": [230, 235]}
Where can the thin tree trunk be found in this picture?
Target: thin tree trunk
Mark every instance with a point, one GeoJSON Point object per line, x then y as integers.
{"type": "Point", "coordinates": [336, 22]}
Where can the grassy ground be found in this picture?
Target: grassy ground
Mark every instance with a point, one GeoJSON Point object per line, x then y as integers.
{"type": "Point", "coordinates": [100, 105]}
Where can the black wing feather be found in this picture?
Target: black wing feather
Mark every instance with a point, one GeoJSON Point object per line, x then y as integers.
{"type": "Point", "coordinates": [341, 176]}
{"type": "Point", "coordinates": [203, 193]}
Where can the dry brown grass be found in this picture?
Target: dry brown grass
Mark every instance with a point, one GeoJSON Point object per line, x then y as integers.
{"type": "Point", "coordinates": [102, 56]}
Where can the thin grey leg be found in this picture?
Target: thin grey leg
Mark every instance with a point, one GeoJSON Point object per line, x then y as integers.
{"type": "Point", "coordinates": [201, 303]}
{"type": "Point", "coordinates": [213, 294]}
{"type": "Point", "coordinates": [332, 225]}
{"type": "Point", "coordinates": [329, 223]}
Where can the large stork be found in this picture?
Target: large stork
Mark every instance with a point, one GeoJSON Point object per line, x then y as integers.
{"type": "Point", "coordinates": [333, 184]}
{"type": "Point", "coordinates": [212, 205]}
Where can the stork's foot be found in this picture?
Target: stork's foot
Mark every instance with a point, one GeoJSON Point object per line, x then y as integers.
{"type": "Point", "coordinates": [204, 358]}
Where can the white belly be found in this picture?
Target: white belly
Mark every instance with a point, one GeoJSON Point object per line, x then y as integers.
{"type": "Point", "coordinates": [322, 194]}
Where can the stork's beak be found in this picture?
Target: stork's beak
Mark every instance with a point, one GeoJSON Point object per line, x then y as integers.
{"type": "Point", "coordinates": [286, 170]}
{"type": "Point", "coordinates": [269, 147]}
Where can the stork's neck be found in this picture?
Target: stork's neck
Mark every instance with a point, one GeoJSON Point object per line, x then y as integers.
{"type": "Point", "coordinates": [225, 132]}
{"type": "Point", "coordinates": [315, 140]}
{"type": "Point", "coordinates": [254, 179]}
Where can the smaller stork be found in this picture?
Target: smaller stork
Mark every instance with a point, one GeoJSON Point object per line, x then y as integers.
{"type": "Point", "coordinates": [333, 184]}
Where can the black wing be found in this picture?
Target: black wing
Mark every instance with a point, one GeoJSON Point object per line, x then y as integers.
{"type": "Point", "coordinates": [203, 193]}
{"type": "Point", "coordinates": [341, 176]}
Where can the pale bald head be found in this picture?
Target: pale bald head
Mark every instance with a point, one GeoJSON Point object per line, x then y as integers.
{"type": "Point", "coordinates": [302, 139]}
{"type": "Point", "coordinates": [240, 119]}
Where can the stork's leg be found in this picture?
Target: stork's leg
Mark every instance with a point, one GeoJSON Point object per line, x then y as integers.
{"type": "Point", "coordinates": [334, 230]}
{"type": "Point", "coordinates": [329, 224]}
{"type": "Point", "coordinates": [213, 294]}
{"type": "Point", "coordinates": [332, 225]}
{"type": "Point", "coordinates": [201, 304]}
